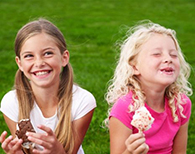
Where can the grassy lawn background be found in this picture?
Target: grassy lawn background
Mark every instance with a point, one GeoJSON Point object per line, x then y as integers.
{"type": "Point", "coordinates": [91, 28]}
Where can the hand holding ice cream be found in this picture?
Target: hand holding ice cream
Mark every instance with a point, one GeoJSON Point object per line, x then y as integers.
{"type": "Point", "coordinates": [23, 126]}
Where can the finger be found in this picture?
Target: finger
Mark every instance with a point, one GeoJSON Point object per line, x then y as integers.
{"type": "Point", "coordinates": [16, 145]}
{"type": "Point", "coordinates": [146, 149]}
{"type": "Point", "coordinates": [136, 144]}
{"type": "Point", "coordinates": [5, 143]}
{"type": "Point", "coordinates": [143, 149]}
{"type": "Point", "coordinates": [133, 137]}
{"type": "Point", "coordinates": [46, 129]}
{"type": "Point", "coordinates": [32, 136]}
{"type": "Point", "coordinates": [40, 139]}
{"type": "Point", "coordinates": [14, 141]}
{"type": "Point", "coordinates": [45, 142]}
{"type": "Point", "coordinates": [35, 151]}
{"type": "Point", "coordinates": [44, 139]}
{"type": "Point", "coordinates": [3, 136]}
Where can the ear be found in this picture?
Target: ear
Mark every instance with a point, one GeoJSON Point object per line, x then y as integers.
{"type": "Point", "coordinates": [19, 63]}
{"type": "Point", "coordinates": [135, 70]}
{"type": "Point", "coordinates": [134, 66]}
{"type": "Point", "coordinates": [65, 58]}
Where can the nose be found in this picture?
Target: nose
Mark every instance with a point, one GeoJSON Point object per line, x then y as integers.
{"type": "Point", "coordinates": [167, 59]}
{"type": "Point", "coordinates": [39, 62]}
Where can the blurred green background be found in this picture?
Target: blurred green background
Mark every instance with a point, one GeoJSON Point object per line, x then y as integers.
{"type": "Point", "coordinates": [91, 29]}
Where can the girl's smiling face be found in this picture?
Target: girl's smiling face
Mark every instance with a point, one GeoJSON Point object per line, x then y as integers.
{"type": "Point", "coordinates": [157, 63]}
{"type": "Point", "coordinates": [41, 60]}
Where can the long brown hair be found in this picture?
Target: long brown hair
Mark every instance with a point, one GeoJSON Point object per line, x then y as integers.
{"type": "Point", "coordinates": [63, 131]}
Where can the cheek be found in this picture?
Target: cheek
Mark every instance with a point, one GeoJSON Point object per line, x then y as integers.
{"type": "Point", "coordinates": [177, 65]}
{"type": "Point", "coordinates": [23, 66]}
{"type": "Point", "coordinates": [178, 68]}
{"type": "Point", "coordinates": [26, 66]}
{"type": "Point", "coordinates": [56, 66]}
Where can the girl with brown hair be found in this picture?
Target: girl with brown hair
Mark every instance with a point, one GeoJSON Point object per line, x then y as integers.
{"type": "Point", "coordinates": [60, 111]}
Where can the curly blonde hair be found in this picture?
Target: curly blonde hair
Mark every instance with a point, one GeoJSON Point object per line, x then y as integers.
{"type": "Point", "coordinates": [124, 79]}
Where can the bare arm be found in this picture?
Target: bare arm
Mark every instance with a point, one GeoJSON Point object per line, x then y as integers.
{"type": "Point", "coordinates": [80, 128]}
{"type": "Point", "coordinates": [122, 141]}
{"type": "Point", "coordinates": [11, 125]}
{"type": "Point", "coordinates": [118, 135]}
{"type": "Point", "coordinates": [180, 141]}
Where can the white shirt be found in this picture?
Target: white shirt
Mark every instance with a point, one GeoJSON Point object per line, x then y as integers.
{"type": "Point", "coordinates": [82, 103]}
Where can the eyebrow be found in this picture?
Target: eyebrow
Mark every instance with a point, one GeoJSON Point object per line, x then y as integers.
{"type": "Point", "coordinates": [25, 52]}
{"type": "Point", "coordinates": [161, 49]}
{"type": "Point", "coordinates": [48, 48]}
{"type": "Point", "coordinates": [173, 50]}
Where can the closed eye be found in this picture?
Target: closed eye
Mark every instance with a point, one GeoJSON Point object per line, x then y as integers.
{"type": "Point", "coordinates": [156, 54]}
{"type": "Point", "coordinates": [174, 55]}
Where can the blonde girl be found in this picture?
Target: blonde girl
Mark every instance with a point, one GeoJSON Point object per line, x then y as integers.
{"type": "Point", "coordinates": [150, 72]}
{"type": "Point", "coordinates": [60, 111]}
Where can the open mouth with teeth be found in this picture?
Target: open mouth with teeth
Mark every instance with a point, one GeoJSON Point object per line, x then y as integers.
{"type": "Point", "coordinates": [167, 70]}
{"type": "Point", "coordinates": [41, 73]}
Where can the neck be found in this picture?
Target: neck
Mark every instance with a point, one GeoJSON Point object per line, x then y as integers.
{"type": "Point", "coordinates": [155, 99]}
{"type": "Point", "coordinates": [46, 99]}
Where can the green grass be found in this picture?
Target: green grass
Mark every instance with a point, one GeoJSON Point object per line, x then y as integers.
{"type": "Point", "coordinates": [91, 29]}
